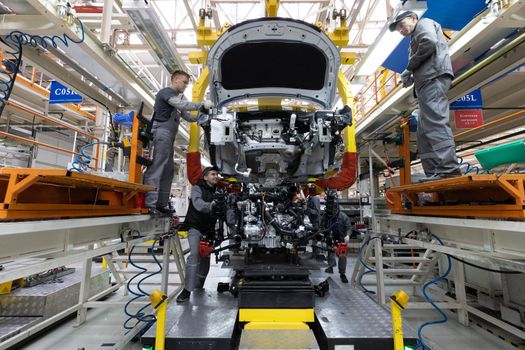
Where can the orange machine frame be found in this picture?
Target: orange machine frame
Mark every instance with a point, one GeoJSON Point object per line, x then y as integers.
{"type": "Point", "coordinates": [460, 197]}
{"type": "Point", "coordinates": [55, 193]}
{"type": "Point", "coordinates": [27, 193]}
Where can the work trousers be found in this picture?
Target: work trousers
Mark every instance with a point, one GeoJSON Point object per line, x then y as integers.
{"type": "Point", "coordinates": [160, 173]}
{"type": "Point", "coordinates": [341, 262]}
{"type": "Point", "coordinates": [197, 267]}
{"type": "Point", "coordinates": [435, 141]}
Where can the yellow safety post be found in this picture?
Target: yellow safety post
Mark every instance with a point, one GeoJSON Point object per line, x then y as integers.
{"type": "Point", "coordinates": [398, 302]}
{"type": "Point", "coordinates": [159, 301]}
{"type": "Point", "coordinates": [104, 264]}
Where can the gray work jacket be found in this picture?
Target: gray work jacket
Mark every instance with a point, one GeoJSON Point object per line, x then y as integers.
{"type": "Point", "coordinates": [428, 55]}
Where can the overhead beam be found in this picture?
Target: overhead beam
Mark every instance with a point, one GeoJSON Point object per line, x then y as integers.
{"type": "Point", "coordinates": [27, 23]}
{"type": "Point", "coordinates": [102, 63]}
{"type": "Point", "coordinates": [62, 74]}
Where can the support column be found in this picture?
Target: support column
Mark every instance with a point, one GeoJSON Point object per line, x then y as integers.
{"type": "Point", "coordinates": [372, 188]}
{"type": "Point", "coordinates": [461, 295]}
{"type": "Point", "coordinates": [165, 265]}
{"type": "Point", "coordinates": [380, 278]}
{"type": "Point", "coordinates": [84, 289]}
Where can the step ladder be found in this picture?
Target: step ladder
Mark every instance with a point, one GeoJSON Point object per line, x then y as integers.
{"type": "Point", "coordinates": [394, 264]}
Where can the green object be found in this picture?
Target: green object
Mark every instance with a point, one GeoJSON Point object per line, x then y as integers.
{"type": "Point", "coordinates": [408, 348]}
{"type": "Point", "coordinates": [148, 348]}
{"type": "Point", "coordinates": [508, 153]}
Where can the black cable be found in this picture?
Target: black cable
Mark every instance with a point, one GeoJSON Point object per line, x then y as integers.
{"type": "Point", "coordinates": [115, 131]}
{"type": "Point", "coordinates": [484, 268]}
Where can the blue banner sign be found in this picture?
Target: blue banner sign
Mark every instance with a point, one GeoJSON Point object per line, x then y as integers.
{"type": "Point", "coordinates": [61, 94]}
{"type": "Point", "coordinates": [472, 100]}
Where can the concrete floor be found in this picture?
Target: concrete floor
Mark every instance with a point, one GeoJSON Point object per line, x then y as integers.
{"type": "Point", "coordinates": [104, 327]}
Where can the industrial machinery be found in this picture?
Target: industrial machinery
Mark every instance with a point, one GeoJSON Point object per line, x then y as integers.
{"type": "Point", "coordinates": [273, 125]}
{"type": "Point", "coordinates": [275, 129]}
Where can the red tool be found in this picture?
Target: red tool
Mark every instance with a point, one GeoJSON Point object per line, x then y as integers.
{"type": "Point", "coordinates": [205, 248]}
{"type": "Point", "coordinates": [341, 249]}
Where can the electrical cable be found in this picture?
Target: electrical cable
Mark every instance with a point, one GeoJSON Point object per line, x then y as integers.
{"type": "Point", "coordinates": [484, 268]}
{"type": "Point", "coordinates": [420, 344]}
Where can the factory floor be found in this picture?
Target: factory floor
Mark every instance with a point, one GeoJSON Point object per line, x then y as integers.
{"type": "Point", "coordinates": [104, 329]}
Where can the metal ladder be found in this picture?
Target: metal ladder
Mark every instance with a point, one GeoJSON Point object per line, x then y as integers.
{"type": "Point", "coordinates": [394, 264]}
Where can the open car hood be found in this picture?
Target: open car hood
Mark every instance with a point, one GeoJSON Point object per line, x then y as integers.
{"type": "Point", "coordinates": [274, 57]}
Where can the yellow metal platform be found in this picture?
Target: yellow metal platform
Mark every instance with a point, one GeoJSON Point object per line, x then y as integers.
{"type": "Point", "coordinates": [58, 193]}
{"type": "Point", "coordinates": [495, 196]}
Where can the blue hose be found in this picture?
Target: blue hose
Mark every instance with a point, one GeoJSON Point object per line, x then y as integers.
{"type": "Point", "coordinates": [470, 168]}
{"type": "Point", "coordinates": [12, 64]}
{"type": "Point", "coordinates": [17, 39]}
{"type": "Point", "coordinates": [140, 315]}
{"type": "Point", "coordinates": [82, 160]}
{"type": "Point", "coordinates": [420, 342]}
{"type": "Point", "coordinates": [45, 40]}
{"type": "Point", "coordinates": [367, 267]}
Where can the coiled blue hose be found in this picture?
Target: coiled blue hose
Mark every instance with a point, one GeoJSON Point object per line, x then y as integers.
{"type": "Point", "coordinates": [471, 168]}
{"type": "Point", "coordinates": [45, 40]}
{"type": "Point", "coordinates": [420, 342]}
{"type": "Point", "coordinates": [17, 39]}
{"type": "Point", "coordinates": [82, 160]}
{"type": "Point", "coordinates": [140, 315]}
{"type": "Point", "coordinates": [12, 64]}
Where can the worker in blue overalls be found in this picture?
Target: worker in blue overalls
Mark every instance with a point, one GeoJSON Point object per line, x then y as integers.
{"type": "Point", "coordinates": [430, 70]}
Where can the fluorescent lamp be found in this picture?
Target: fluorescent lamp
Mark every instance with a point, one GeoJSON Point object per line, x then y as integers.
{"type": "Point", "coordinates": [386, 42]}
{"type": "Point", "coordinates": [149, 25]}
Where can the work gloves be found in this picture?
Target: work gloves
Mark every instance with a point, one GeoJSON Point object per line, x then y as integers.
{"type": "Point", "coordinates": [407, 78]}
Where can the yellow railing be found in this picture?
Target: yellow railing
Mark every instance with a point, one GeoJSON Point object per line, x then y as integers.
{"type": "Point", "coordinates": [381, 85]}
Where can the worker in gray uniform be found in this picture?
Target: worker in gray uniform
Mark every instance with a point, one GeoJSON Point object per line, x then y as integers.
{"type": "Point", "coordinates": [200, 221]}
{"type": "Point", "coordinates": [337, 227]}
{"type": "Point", "coordinates": [170, 106]}
{"type": "Point", "coordinates": [430, 70]}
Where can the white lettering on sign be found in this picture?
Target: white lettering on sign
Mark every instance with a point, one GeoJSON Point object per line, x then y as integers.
{"type": "Point", "coordinates": [468, 98]}
{"type": "Point", "coordinates": [63, 92]}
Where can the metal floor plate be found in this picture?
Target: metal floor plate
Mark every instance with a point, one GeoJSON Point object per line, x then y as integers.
{"type": "Point", "coordinates": [11, 326]}
{"type": "Point", "coordinates": [207, 321]}
{"type": "Point", "coordinates": [278, 339]}
{"type": "Point", "coordinates": [349, 316]}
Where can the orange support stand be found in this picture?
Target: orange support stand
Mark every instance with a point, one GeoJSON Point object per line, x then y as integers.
{"type": "Point", "coordinates": [494, 196]}
{"type": "Point", "coordinates": [404, 152]}
{"type": "Point", "coordinates": [135, 171]}
{"type": "Point", "coordinates": [56, 193]}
